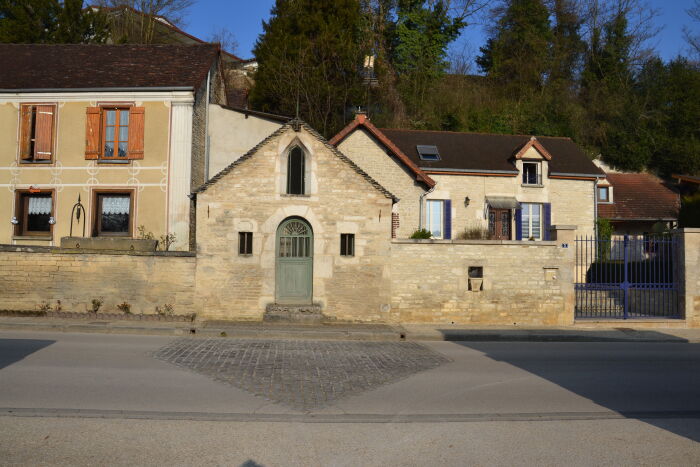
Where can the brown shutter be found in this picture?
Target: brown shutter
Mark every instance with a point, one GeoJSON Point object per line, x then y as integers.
{"type": "Point", "coordinates": [25, 132]}
{"type": "Point", "coordinates": [43, 134]}
{"type": "Point", "coordinates": [137, 117]}
{"type": "Point", "coordinates": [93, 132]}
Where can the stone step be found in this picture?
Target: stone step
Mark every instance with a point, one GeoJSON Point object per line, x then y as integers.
{"type": "Point", "coordinates": [309, 314]}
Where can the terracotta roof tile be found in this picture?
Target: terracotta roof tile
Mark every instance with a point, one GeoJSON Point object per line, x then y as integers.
{"type": "Point", "coordinates": [639, 196]}
{"type": "Point", "coordinates": [82, 66]}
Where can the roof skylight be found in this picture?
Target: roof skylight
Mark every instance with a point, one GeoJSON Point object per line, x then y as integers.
{"type": "Point", "coordinates": [428, 153]}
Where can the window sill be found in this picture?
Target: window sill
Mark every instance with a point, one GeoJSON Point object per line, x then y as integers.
{"type": "Point", "coordinates": [116, 162]}
{"type": "Point", "coordinates": [36, 162]}
{"type": "Point", "coordinates": [295, 196]}
{"type": "Point", "coordinates": [33, 237]}
{"type": "Point", "coordinates": [532, 185]}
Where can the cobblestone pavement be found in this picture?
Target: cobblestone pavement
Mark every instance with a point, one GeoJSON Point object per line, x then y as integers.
{"type": "Point", "coordinates": [304, 375]}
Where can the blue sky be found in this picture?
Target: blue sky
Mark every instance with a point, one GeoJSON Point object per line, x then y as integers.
{"type": "Point", "coordinates": [244, 18]}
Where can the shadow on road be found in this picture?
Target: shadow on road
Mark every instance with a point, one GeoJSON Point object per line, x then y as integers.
{"type": "Point", "coordinates": [658, 383]}
{"type": "Point", "coordinates": [14, 350]}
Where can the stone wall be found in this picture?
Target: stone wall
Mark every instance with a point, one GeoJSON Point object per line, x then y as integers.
{"type": "Point", "coordinates": [33, 276]}
{"type": "Point", "coordinates": [690, 275]}
{"type": "Point", "coordinates": [524, 283]}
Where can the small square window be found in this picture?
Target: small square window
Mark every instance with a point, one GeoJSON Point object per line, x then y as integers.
{"type": "Point", "coordinates": [34, 214]}
{"type": "Point", "coordinates": [603, 194]}
{"type": "Point", "coordinates": [532, 173]}
{"type": "Point", "coordinates": [347, 244]}
{"type": "Point", "coordinates": [245, 243]}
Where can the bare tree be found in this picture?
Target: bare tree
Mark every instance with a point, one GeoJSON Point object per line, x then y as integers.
{"type": "Point", "coordinates": [140, 25]}
{"type": "Point", "coordinates": [691, 37]}
{"type": "Point", "coordinates": [225, 38]}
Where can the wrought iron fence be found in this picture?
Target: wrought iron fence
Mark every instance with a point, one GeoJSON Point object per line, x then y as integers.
{"type": "Point", "coordinates": [627, 277]}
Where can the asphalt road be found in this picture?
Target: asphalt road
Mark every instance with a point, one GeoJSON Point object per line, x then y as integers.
{"type": "Point", "coordinates": [86, 399]}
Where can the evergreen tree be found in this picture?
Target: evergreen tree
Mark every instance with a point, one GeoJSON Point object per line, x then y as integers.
{"type": "Point", "coordinates": [309, 54]}
{"type": "Point", "coordinates": [422, 33]}
{"type": "Point", "coordinates": [50, 21]}
{"type": "Point", "coordinates": [615, 113]}
{"type": "Point", "coordinates": [517, 54]}
{"type": "Point", "coordinates": [567, 45]}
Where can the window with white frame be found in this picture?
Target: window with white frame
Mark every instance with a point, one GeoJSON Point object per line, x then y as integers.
{"type": "Point", "coordinates": [531, 221]}
{"type": "Point", "coordinates": [532, 173]}
{"type": "Point", "coordinates": [434, 217]}
{"type": "Point", "coordinates": [603, 194]}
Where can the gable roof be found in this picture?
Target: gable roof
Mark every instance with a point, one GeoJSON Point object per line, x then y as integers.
{"type": "Point", "coordinates": [492, 153]}
{"type": "Point", "coordinates": [639, 196]}
{"type": "Point", "coordinates": [53, 67]}
{"type": "Point", "coordinates": [291, 124]}
{"type": "Point", "coordinates": [533, 143]}
{"type": "Point", "coordinates": [361, 121]}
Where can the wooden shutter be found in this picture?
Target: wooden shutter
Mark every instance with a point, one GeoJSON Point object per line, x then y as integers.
{"type": "Point", "coordinates": [447, 235]}
{"type": "Point", "coordinates": [25, 132]}
{"type": "Point", "coordinates": [137, 117]}
{"type": "Point", "coordinates": [43, 133]}
{"type": "Point", "coordinates": [93, 132]}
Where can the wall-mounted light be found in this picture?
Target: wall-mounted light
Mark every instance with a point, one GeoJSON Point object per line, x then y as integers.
{"type": "Point", "coordinates": [466, 201]}
{"type": "Point", "coordinates": [14, 220]}
{"type": "Point", "coordinates": [52, 220]}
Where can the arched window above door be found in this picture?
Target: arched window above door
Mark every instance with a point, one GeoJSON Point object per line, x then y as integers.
{"type": "Point", "coordinates": [296, 168]}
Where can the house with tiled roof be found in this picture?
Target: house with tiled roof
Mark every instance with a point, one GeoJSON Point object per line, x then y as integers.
{"type": "Point", "coordinates": [637, 203]}
{"type": "Point", "coordinates": [474, 185]}
{"type": "Point", "coordinates": [126, 130]}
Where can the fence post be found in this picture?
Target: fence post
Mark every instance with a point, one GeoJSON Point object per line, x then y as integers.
{"type": "Point", "coordinates": [625, 278]}
{"type": "Point", "coordinates": [689, 268]}
{"type": "Point", "coordinates": [565, 237]}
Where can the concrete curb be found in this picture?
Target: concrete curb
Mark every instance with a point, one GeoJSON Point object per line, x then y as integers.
{"type": "Point", "coordinates": [350, 332]}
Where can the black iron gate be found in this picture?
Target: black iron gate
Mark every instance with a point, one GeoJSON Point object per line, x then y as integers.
{"type": "Point", "coordinates": [628, 276]}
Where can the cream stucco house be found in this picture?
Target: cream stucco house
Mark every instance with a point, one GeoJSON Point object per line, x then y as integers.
{"type": "Point", "coordinates": [127, 129]}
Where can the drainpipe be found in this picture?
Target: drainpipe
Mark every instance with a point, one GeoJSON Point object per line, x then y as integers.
{"type": "Point", "coordinates": [595, 208]}
{"type": "Point", "coordinates": [206, 129]}
{"type": "Point", "coordinates": [420, 206]}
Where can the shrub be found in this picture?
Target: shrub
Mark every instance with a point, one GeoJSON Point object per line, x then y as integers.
{"type": "Point", "coordinates": [165, 310]}
{"type": "Point", "coordinates": [421, 234]}
{"type": "Point", "coordinates": [689, 215]}
{"type": "Point", "coordinates": [125, 307]}
{"type": "Point", "coordinates": [96, 304]}
{"type": "Point", "coordinates": [474, 232]}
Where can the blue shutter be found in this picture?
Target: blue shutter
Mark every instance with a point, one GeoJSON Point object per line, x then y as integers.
{"type": "Point", "coordinates": [519, 224]}
{"type": "Point", "coordinates": [448, 219]}
{"type": "Point", "coordinates": [547, 208]}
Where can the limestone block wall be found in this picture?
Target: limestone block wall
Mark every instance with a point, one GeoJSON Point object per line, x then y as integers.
{"type": "Point", "coordinates": [524, 283]}
{"type": "Point", "coordinates": [690, 275]}
{"type": "Point", "coordinates": [251, 198]}
{"type": "Point", "coordinates": [369, 154]}
{"type": "Point", "coordinates": [32, 276]}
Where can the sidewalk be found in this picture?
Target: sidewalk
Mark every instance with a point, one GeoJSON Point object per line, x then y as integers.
{"type": "Point", "coordinates": [364, 332]}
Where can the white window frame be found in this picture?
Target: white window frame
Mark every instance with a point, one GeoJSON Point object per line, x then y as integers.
{"type": "Point", "coordinates": [609, 191]}
{"type": "Point", "coordinates": [430, 206]}
{"type": "Point", "coordinates": [530, 230]}
{"type": "Point", "coordinates": [538, 173]}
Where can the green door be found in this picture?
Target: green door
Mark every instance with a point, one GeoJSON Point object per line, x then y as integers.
{"type": "Point", "coordinates": [294, 281]}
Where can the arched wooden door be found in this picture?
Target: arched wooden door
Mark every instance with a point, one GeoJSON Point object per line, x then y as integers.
{"type": "Point", "coordinates": [294, 265]}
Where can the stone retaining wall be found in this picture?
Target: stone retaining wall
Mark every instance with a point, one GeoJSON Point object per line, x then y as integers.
{"type": "Point", "coordinates": [524, 283]}
{"type": "Point", "coordinates": [32, 278]}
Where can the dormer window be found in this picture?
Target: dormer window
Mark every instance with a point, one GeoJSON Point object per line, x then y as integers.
{"type": "Point", "coordinates": [428, 153]}
{"type": "Point", "coordinates": [296, 166]}
{"type": "Point", "coordinates": [532, 173]}
{"type": "Point", "coordinates": [603, 194]}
